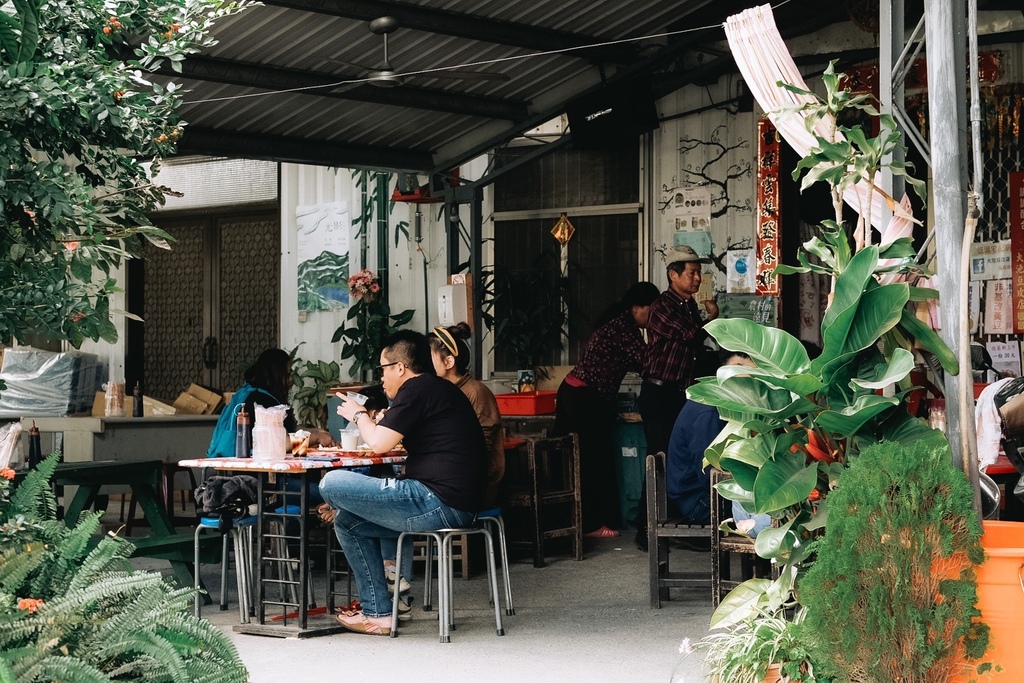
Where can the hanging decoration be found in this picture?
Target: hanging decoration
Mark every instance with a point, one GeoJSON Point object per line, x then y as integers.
{"type": "Point", "coordinates": [767, 252]}
{"type": "Point", "coordinates": [563, 230]}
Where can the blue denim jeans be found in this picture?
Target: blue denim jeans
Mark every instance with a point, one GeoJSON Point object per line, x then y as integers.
{"type": "Point", "coordinates": [371, 511]}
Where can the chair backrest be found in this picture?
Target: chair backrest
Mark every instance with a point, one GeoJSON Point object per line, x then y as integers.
{"type": "Point", "coordinates": [556, 463]}
{"type": "Point", "coordinates": [657, 494]}
{"type": "Point", "coordinates": [717, 501]}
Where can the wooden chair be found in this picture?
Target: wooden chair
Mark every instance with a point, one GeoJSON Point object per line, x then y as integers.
{"type": "Point", "coordinates": [660, 530]}
{"type": "Point", "coordinates": [725, 545]}
{"type": "Point", "coordinates": [546, 483]}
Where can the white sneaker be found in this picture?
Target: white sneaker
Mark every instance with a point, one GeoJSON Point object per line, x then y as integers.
{"type": "Point", "coordinates": [404, 585]}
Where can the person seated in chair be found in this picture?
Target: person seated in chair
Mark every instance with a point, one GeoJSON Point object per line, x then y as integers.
{"type": "Point", "coordinates": [444, 473]}
{"type": "Point", "coordinates": [688, 482]}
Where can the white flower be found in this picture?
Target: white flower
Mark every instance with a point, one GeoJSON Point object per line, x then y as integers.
{"type": "Point", "coordinates": [684, 647]}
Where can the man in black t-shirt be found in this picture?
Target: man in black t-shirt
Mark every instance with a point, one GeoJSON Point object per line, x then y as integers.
{"type": "Point", "coordinates": [444, 474]}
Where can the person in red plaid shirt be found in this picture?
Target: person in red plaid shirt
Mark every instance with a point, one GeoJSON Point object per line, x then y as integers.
{"type": "Point", "coordinates": [675, 333]}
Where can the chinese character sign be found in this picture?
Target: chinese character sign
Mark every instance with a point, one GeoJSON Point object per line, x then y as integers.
{"type": "Point", "coordinates": [1016, 183]}
{"type": "Point", "coordinates": [767, 252]}
{"type": "Point", "coordinates": [997, 307]}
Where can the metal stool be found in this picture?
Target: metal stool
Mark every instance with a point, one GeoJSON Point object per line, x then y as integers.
{"type": "Point", "coordinates": [445, 610]}
{"type": "Point", "coordinates": [493, 516]}
{"type": "Point", "coordinates": [241, 534]}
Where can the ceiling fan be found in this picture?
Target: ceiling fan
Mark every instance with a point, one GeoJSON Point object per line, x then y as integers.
{"type": "Point", "coordinates": [384, 74]}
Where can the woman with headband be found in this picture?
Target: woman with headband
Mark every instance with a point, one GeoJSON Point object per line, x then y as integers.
{"type": "Point", "coordinates": [586, 402]}
{"type": "Point", "coordinates": [450, 354]}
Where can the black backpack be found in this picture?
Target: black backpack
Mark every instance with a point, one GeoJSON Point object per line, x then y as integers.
{"type": "Point", "coordinates": [226, 498]}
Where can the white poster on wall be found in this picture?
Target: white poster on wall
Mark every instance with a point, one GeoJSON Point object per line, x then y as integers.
{"type": "Point", "coordinates": [740, 269]}
{"type": "Point", "coordinates": [998, 318]}
{"type": "Point", "coordinates": [1005, 356]}
{"type": "Point", "coordinates": [691, 209]}
{"type": "Point", "coordinates": [323, 242]}
{"type": "Point", "coordinates": [991, 261]}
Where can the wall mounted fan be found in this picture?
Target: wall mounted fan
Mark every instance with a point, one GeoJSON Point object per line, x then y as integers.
{"type": "Point", "coordinates": [384, 75]}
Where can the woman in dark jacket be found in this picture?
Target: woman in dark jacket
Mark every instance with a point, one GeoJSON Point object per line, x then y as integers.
{"type": "Point", "coordinates": [586, 402]}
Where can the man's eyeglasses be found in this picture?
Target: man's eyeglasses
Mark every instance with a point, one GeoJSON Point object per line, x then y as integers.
{"type": "Point", "coordinates": [380, 368]}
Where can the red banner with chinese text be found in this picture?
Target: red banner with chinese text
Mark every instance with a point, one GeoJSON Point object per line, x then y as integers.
{"type": "Point", "coordinates": [1016, 183]}
{"type": "Point", "coordinates": [768, 162]}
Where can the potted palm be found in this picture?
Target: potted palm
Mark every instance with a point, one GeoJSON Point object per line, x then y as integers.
{"type": "Point", "coordinates": [526, 312]}
{"type": "Point", "coordinates": [794, 424]}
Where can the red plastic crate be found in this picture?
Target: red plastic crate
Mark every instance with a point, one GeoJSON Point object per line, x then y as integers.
{"type": "Point", "coordinates": [527, 403]}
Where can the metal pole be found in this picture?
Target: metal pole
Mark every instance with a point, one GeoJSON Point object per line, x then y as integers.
{"type": "Point", "coordinates": [890, 93]}
{"type": "Point", "coordinates": [476, 223]}
{"type": "Point", "coordinates": [946, 89]}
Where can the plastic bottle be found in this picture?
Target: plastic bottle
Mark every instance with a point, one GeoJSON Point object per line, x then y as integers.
{"type": "Point", "coordinates": [137, 401]}
{"type": "Point", "coordinates": [243, 435]}
{"type": "Point", "coordinates": [35, 450]}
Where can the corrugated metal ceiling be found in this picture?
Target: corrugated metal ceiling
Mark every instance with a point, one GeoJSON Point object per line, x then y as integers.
{"type": "Point", "coordinates": [236, 106]}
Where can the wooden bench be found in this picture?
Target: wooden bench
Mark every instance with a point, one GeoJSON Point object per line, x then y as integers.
{"type": "Point", "coordinates": [661, 530]}
{"type": "Point", "coordinates": [143, 478]}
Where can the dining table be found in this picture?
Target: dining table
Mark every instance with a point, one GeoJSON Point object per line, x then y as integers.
{"type": "Point", "coordinates": [286, 508]}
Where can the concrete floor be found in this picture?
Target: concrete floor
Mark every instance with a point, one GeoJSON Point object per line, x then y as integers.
{"type": "Point", "coordinates": [574, 621]}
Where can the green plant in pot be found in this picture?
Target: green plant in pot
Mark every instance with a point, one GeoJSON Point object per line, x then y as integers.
{"type": "Point", "coordinates": [891, 594]}
{"type": "Point", "coordinates": [310, 382]}
{"type": "Point", "coordinates": [762, 648]}
{"type": "Point", "coordinates": [793, 424]}
{"type": "Point", "coordinates": [526, 312]}
{"type": "Point", "coordinates": [372, 322]}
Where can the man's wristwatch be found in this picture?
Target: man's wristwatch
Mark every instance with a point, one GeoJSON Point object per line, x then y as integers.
{"type": "Point", "coordinates": [355, 418]}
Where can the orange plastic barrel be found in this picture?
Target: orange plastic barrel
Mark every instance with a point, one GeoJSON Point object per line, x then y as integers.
{"type": "Point", "coordinates": [1001, 599]}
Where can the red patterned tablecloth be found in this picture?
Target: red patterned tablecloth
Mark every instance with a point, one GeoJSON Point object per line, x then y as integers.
{"type": "Point", "coordinates": [324, 459]}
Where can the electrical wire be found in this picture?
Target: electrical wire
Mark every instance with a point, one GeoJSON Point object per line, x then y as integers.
{"type": "Point", "coordinates": [483, 62]}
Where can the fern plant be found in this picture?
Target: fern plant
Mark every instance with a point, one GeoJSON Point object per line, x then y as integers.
{"type": "Point", "coordinates": [70, 613]}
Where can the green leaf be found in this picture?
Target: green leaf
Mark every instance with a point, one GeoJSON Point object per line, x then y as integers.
{"type": "Point", "coordinates": [776, 543]}
{"type": "Point", "coordinates": [743, 602]}
{"type": "Point", "coordinates": [923, 293]}
{"type": "Point", "coordinates": [849, 288]}
{"type": "Point", "coordinates": [899, 366]}
{"type": "Point", "coordinates": [927, 337]}
{"type": "Point", "coordinates": [802, 384]}
{"type": "Point", "coordinates": [783, 482]}
{"type": "Point", "coordinates": [749, 395]}
{"type": "Point", "coordinates": [898, 248]}
{"type": "Point", "coordinates": [770, 348]}
{"type": "Point", "coordinates": [849, 420]}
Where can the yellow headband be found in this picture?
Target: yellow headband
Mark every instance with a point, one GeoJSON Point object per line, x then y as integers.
{"type": "Point", "coordinates": [447, 339]}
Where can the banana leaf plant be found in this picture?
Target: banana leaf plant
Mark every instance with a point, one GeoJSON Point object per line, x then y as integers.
{"type": "Point", "coordinates": [792, 423]}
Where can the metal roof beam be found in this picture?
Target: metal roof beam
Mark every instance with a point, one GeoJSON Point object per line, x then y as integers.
{"type": "Point", "coordinates": [208, 141]}
{"type": "Point", "coordinates": [445, 22]}
{"type": "Point", "coordinates": [271, 78]}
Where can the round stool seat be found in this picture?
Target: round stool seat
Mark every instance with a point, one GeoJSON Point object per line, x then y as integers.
{"type": "Point", "coordinates": [214, 522]}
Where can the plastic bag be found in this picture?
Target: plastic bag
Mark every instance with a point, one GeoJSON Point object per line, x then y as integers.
{"type": "Point", "coordinates": [10, 435]}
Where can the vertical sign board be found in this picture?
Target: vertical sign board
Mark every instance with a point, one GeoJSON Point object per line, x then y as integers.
{"type": "Point", "coordinates": [767, 254]}
{"type": "Point", "coordinates": [1017, 248]}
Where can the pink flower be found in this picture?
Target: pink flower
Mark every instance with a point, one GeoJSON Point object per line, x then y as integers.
{"type": "Point", "coordinates": [7, 473]}
{"type": "Point", "coordinates": [374, 288]}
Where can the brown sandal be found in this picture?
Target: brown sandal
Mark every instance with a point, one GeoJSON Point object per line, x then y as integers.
{"type": "Point", "coordinates": [360, 623]}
